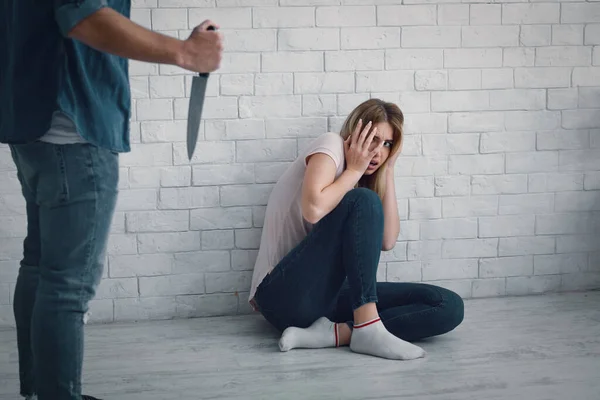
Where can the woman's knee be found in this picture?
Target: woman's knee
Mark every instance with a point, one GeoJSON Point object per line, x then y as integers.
{"type": "Point", "coordinates": [365, 198]}
{"type": "Point", "coordinates": [453, 310]}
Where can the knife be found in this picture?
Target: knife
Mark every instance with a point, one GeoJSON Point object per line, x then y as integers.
{"type": "Point", "coordinates": [195, 108]}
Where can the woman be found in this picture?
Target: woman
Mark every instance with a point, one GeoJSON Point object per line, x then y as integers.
{"type": "Point", "coordinates": [328, 219]}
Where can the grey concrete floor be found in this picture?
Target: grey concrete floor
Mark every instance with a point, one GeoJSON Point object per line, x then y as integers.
{"type": "Point", "coordinates": [531, 348]}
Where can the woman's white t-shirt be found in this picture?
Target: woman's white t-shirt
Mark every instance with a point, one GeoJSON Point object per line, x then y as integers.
{"type": "Point", "coordinates": [284, 226]}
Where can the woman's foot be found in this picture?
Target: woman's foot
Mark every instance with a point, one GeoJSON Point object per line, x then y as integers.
{"type": "Point", "coordinates": [374, 339]}
{"type": "Point", "coordinates": [322, 333]}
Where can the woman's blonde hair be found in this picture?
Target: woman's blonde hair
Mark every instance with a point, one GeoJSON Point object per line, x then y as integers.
{"type": "Point", "coordinates": [377, 111]}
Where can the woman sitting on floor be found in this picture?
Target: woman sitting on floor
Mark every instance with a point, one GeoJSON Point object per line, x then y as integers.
{"type": "Point", "coordinates": [327, 220]}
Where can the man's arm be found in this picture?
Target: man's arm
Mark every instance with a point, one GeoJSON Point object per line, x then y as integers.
{"type": "Point", "coordinates": [98, 26]}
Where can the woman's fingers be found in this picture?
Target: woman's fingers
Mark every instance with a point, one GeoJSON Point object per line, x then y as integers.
{"type": "Point", "coordinates": [363, 135]}
{"type": "Point", "coordinates": [370, 139]}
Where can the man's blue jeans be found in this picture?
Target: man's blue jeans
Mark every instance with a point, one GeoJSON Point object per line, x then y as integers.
{"type": "Point", "coordinates": [70, 193]}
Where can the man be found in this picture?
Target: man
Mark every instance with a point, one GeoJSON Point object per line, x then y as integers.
{"type": "Point", "coordinates": [64, 110]}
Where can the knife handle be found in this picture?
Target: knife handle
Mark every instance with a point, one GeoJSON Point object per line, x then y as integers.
{"type": "Point", "coordinates": [205, 74]}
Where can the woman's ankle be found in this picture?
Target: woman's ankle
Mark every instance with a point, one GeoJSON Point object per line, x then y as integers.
{"type": "Point", "coordinates": [365, 313]}
{"type": "Point", "coordinates": [344, 334]}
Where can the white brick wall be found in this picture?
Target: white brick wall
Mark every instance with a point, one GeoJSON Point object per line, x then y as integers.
{"type": "Point", "coordinates": [498, 187]}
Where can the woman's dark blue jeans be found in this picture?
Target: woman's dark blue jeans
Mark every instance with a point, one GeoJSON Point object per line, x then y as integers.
{"type": "Point", "coordinates": [333, 271]}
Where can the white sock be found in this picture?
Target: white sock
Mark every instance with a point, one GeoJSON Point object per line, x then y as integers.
{"type": "Point", "coordinates": [322, 333]}
{"type": "Point", "coordinates": [372, 338]}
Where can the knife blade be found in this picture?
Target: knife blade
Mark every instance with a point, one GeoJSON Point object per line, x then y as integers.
{"type": "Point", "coordinates": [197, 95]}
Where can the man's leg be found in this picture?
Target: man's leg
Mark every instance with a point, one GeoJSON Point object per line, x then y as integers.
{"type": "Point", "coordinates": [26, 288]}
{"type": "Point", "coordinates": [76, 189]}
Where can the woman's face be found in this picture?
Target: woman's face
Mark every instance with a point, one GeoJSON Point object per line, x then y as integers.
{"type": "Point", "coordinates": [384, 133]}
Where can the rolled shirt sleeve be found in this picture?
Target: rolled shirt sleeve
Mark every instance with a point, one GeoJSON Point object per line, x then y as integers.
{"type": "Point", "coordinates": [69, 13]}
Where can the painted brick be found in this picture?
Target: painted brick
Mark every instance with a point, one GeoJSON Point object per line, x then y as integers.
{"type": "Point", "coordinates": [559, 263]}
{"type": "Point", "coordinates": [485, 14]}
{"type": "Point", "coordinates": [506, 266]}
{"type": "Point", "coordinates": [567, 34]}
{"type": "Point", "coordinates": [470, 248]}
{"type": "Point", "coordinates": [137, 200]}
{"type": "Point", "coordinates": [499, 184]}
{"type": "Point", "coordinates": [464, 79]}
{"type": "Point", "coordinates": [245, 195]}
{"type": "Point", "coordinates": [542, 77]}
{"type": "Point", "coordinates": [425, 208]}
{"type": "Point", "coordinates": [267, 150]}
{"type": "Point", "coordinates": [563, 56]}
{"type": "Point", "coordinates": [490, 36]}
{"type": "Point", "coordinates": [228, 282]}
{"type": "Point", "coordinates": [206, 153]}
{"type": "Point", "coordinates": [188, 197]}
{"type": "Point", "coordinates": [580, 119]}
{"type": "Point", "coordinates": [196, 262]}
{"type": "Point", "coordinates": [414, 59]}
{"type": "Point", "coordinates": [292, 61]}
{"type": "Point", "coordinates": [532, 284]}
{"type": "Point", "coordinates": [243, 260]}
{"type": "Point", "coordinates": [283, 17]}
{"type": "Point", "coordinates": [460, 101]}
{"type": "Point", "coordinates": [506, 226]}
{"type": "Point", "coordinates": [472, 58]}
{"type": "Point", "coordinates": [329, 82]}
{"type": "Point", "coordinates": [473, 206]}
{"type": "Point", "coordinates": [560, 99]}
{"type": "Point", "coordinates": [530, 13]}
{"type": "Point", "coordinates": [251, 40]}
{"type": "Point", "coordinates": [204, 175]}
{"type": "Point", "coordinates": [383, 81]}
{"type": "Point", "coordinates": [270, 172]}
{"type": "Point", "coordinates": [414, 187]}
{"type": "Point", "coordinates": [431, 80]}
{"type": "Point", "coordinates": [369, 38]}
{"type": "Point", "coordinates": [123, 266]}
{"type": "Point", "coordinates": [453, 14]}
{"type": "Point", "coordinates": [431, 37]}
{"type": "Point", "coordinates": [221, 218]}
{"type": "Point", "coordinates": [354, 60]}
{"type": "Point", "coordinates": [577, 201]}
{"type": "Point", "coordinates": [452, 186]}
{"type": "Point", "coordinates": [247, 238]}
{"type": "Point", "coordinates": [421, 166]}
{"type": "Point", "coordinates": [526, 203]}
{"type": "Point", "coordinates": [231, 18]}
{"type": "Point", "coordinates": [217, 240]}
{"type": "Point", "coordinates": [237, 84]}
{"type": "Point", "coordinates": [580, 13]}
{"type": "Point", "coordinates": [476, 164]}
{"type": "Point", "coordinates": [407, 271]}
{"type": "Point", "coordinates": [449, 269]}
{"type": "Point", "coordinates": [346, 16]}
{"type": "Point", "coordinates": [497, 78]}
{"type": "Point", "coordinates": [297, 127]}
{"type": "Point", "coordinates": [308, 39]}
{"type": "Point", "coordinates": [526, 245]}
{"type": "Point", "coordinates": [555, 182]}
{"type": "Point", "coordinates": [576, 243]}
{"type": "Point", "coordinates": [524, 162]}
{"type": "Point", "coordinates": [535, 35]}
{"type": "Point", "coordinates": [452, 228]}
{"type": "Point", "coordinates": [518, 57]}
{"type": "Point", "coordinates": [270, 106]}
{"type": "Point", "coordinates": [476, 121]}
{"type": "Point", "coordinates": [491, 287]}
{"type": "Point", "coordinates": [157, 221]}
{"type": "Point", "coordinates": [405, 15]}
{"type": "Point", "coordinates": [163, 131]}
